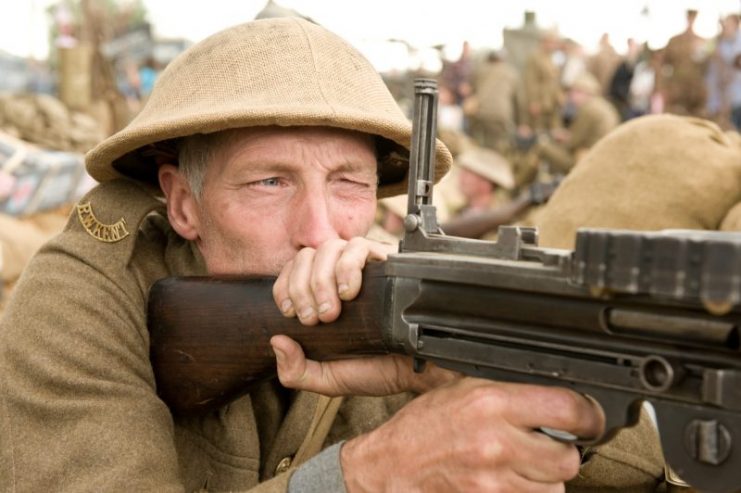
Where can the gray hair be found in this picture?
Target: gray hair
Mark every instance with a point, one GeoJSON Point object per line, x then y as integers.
{"type": "Point", "coordinates": [195, 152]}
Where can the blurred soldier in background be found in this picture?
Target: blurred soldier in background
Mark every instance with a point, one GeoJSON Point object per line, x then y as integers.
{"type": "Point", "coordinates": [485, 179]}
{"type": "Point", "coordinates": [499, 103]}
{"type": "Point", "coordinates": [723, 78]}
{"type": "Point", "coordinates": [683, 72]}
{"type": "Point", "coordinates": [604, 63]}
{"type": "Point", "coordinates": [594, 117]}
{"type": "Point", "coordinates": [456, 76]}
{"type": "Point", "coordinates": [622, 78]}
{"type": "Point", "coordinates": [541, 79]}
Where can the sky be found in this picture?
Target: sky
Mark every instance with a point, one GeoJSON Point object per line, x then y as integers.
{"type": "Point", "coordinates": [422, 23]}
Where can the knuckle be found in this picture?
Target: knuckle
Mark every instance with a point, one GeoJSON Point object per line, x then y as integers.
{"type": "Point", "coordinates": [487, 400]}
{"type": "Point", "coordinates": [495, 450]}
{"type": "Point", "coordinates": [321, 285]}
{"type": "Point", "coordinates": [286, 378]}
{"type": "Point", "coordinates": [303, 261]}
{"type": "Point", "coordinates": [332, 246]}
{"type": "Point", "coordinates": [501, 484]}
{"type": "Point", "coordinates": [358, 241]}
{"type": "Point", "coordinates": [277, 291]}
{"type": "Point", "coordinates": [500, 487]}
{"type": "Point", "coordinates": [481, 481]}
{"type": "Point", "coordinates": [336, 243]}
{"type": "Point", "coordinates": [279, 286]}
{"type": "Point", "coordinates": [306, 252]}
{"type": "Point", "coordinates": [566, 407]}
{"type": "Point", "coordinates": [350, 262]}
{"type": "Point", "coordinates": [297, 294]}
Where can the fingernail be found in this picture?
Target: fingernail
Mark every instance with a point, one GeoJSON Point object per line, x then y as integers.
{"type": "Point", "coordinates": [343, 288]}
{"type": "Point", "coordinates": [286, 306]}
{"type": "Point", "coordinates": [307, 312]}
{"type": "Point", "coordinates": [324, 307]}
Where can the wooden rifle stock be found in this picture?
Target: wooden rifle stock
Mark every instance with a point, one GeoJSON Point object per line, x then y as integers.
{"type": "Point", "coordinates": [209, 337]}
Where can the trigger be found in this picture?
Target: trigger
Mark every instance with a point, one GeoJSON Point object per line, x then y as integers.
{"type": "Point", "coordinates": [560, 435]}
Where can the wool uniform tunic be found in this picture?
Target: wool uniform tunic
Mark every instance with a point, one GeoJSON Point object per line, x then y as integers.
{"type": "Point", "coordinates": [78, 384]}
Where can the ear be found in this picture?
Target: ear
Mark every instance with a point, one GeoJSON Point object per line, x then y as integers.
{"type": "Point", "coordinates": [182, 208]}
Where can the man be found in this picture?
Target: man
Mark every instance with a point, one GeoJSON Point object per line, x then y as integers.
{"type": "Point", "coordinates": [723, 78]}
{"type": "Point", "coordinates": [683, 72]}
{"type": "Point", "coordinates": [455, 75]}
{"type": "Point", "coordinates": [619, 92]}
{"type": "Point", "coordinates": [484, 179]}
{"type": "Point", "coordinates": [594, 117]}
{"type": "Point", "coordinates": [604, 63]}
{"type": "Point", "coordinates": [541, 79]}
{"type": "Point", "coordinates": [270, 142]}
{"type": "Point", "coordinates": [499, 103]}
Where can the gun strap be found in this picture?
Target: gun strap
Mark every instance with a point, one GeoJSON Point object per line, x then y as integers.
{"type": "Point", "coordinates": [324, 415]}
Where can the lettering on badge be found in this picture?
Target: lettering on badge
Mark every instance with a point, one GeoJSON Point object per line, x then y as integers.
{"type": "Point", "coordinates": [109, 233]}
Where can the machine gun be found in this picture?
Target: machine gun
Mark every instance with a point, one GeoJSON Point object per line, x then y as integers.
{"type": "Point", "coordinates": [626, 317]}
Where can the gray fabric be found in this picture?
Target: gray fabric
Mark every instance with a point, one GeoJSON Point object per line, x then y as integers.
{"type": "Point", "coordinates": [321, 474]}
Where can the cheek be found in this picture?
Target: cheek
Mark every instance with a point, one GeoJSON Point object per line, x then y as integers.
{"type": "Point", "coordinates": [355, 218]}
{"type": "Point", "coordinates": [234, 238]}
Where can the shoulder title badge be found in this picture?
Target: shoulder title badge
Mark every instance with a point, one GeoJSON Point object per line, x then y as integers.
{"type": "Point", "coordinates": [109, 233]}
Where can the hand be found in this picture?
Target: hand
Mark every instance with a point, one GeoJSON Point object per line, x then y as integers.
{"type": "Point", "coordinates": [377, 375]}
{"type": "Point", "coordinates": [473, 435]}
{"type": "Point", "coordinates": [312, 284]}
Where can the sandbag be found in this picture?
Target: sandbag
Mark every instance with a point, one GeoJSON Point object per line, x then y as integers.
{"type": "Point", "coordinates": [732, 220]}
{"type": "Point", "coordinates": [19, 240]}
{"type": "Point", "coordinates": [654, 172]}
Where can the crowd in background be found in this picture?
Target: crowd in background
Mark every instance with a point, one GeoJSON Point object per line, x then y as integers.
{"type": "Point", "coordinates": [539, 117]}
{"type": "Point", "coordinates": [516, 125]}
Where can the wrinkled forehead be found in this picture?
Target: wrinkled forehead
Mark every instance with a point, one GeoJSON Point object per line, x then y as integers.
{"type": "Point", "coordinates": [230, 142]}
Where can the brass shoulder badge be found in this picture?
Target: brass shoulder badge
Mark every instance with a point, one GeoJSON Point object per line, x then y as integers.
{"type": "Point", "coordinates": [109, 233]}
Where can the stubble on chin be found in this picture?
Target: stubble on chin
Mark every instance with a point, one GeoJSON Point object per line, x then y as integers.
{"type": "Point", "coordinates": [235, 256]}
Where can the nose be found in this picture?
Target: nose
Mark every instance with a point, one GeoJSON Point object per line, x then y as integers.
{"type": "Point", "coordinates": [312, 221]}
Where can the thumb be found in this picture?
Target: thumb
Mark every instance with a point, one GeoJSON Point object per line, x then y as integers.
{"type": "Point", "coordinates": [294, 370]}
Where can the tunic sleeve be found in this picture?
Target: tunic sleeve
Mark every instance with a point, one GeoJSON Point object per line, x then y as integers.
{"type": "Point", "coordinates": [78, 404]}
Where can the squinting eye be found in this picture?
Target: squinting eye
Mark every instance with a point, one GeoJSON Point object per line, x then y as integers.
{"type": "Point", "coordinates": [270, 182]}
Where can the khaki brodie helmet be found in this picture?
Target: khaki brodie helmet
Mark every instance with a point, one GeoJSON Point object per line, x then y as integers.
{"type": "Point", "coordinates": [286, 72]}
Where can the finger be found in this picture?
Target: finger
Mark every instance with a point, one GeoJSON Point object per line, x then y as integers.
{"type": "Point", "coordinates": [542, 459]}
{"type": "Point", "coordinates": [356, 254]}
{"type": "Point", "coordinates": [299, 286]}
{"type": "Point", "coordinates": [557, 408]}
{"type": "Point", "coordinates": [323, 280]}
{"type": "Point", "coordinates": [510, 481]}
{"type": "Point", "coordinates": [373, 376]}
{"type": "Point", "coordinates": [280, 291]}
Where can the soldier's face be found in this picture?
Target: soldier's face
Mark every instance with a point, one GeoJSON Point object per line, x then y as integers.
{"type": "Point", "coordinates": [273, 191]}
{"type": "Point", "coordinates": [473, 185]}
